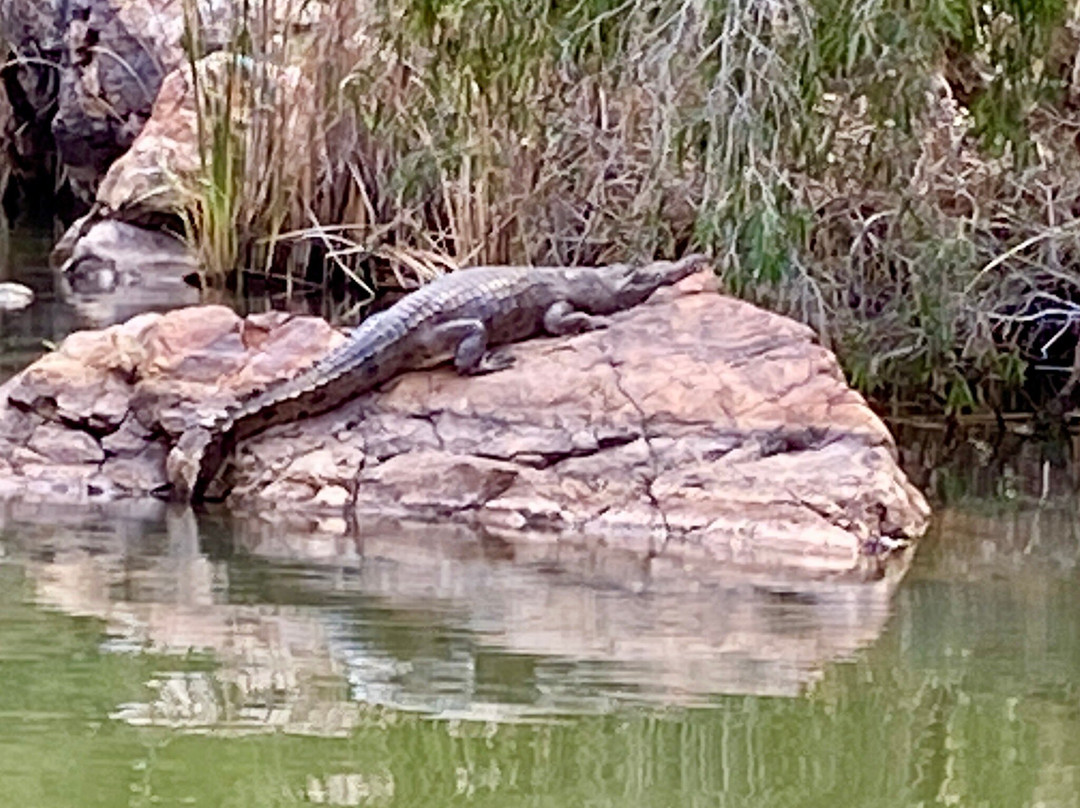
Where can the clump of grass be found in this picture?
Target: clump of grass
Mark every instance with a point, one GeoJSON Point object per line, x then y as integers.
{"type": "Point", "coordinates": [894, 174]}
{"type": "Point", "coordinates": [259, 142]}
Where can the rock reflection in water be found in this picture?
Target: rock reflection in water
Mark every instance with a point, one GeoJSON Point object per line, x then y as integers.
{"type": "Point", "coordinates": [308, 632]}
{"type": "Point", "coordinates": [586, 629]}
{"type": "Point", "coordinates": [138, 568]}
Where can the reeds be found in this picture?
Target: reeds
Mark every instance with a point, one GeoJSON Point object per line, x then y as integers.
{"type": "Point", "coordinates": [897, 174]}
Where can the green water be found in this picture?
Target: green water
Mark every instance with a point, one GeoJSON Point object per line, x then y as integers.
{"type": "Point", "coordinates": [150, 659]}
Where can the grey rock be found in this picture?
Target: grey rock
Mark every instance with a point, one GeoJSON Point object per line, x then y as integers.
{"type": "Point", "coordinates": [112, 270]}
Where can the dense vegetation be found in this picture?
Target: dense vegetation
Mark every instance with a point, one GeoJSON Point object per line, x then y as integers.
{"type": "Point", "coordinates": [904, 176]}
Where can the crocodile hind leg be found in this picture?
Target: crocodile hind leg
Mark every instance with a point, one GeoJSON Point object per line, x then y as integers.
{"type": "Point", "coordinates": [562, 319]}
{"type": "Point", "coordinates": [467, 341]}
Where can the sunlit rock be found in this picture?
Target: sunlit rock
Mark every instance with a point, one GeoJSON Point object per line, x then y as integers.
{"type": "Point", "coordinates": [697, 429]}
{"type": "Point", "coordinates": [160, 172]}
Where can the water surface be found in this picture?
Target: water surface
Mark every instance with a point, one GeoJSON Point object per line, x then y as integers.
{"type": "Point", "coordinates": [150, 658]}
{"type": "Point", "coordinates": [28, 333]}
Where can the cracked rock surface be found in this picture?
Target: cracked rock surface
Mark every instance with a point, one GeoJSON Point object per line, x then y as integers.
{"type": "Point", "coordinates": [696, 429]}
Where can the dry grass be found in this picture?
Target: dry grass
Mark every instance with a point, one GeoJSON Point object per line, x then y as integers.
{"type": "Point", "coordinates": [904, 178]}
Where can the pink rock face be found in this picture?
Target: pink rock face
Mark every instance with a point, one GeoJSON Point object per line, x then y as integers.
{"type": "Point", "coordinates": [697, 429]}
{"type": "Point", "coordinates": [160, 170]}
{"type": "Point", "coordinates": [110, 403]}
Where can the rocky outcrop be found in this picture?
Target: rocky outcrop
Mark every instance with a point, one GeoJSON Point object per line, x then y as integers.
{"type": "Point", "coordinates": [697, 428]}
{"type": "Point", "coordinates": [89, 71]}
{"type": "Point", "coordinates": [160, 170]}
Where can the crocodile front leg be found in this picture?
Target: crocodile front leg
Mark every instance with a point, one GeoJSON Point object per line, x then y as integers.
{"type": "Point", "coordinates": [467, 341]}
{"type": "Point", "coordinates": [562, 319]}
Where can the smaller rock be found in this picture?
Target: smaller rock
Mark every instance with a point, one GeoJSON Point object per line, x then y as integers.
{"type": "Point", "coordinates": [517, 512]}
{"type": "Point", "coordinates": [22, 457]}
{"type": "Point", "coordinates": [112, 270]}
{"type": "Point", "coordinates": [390, 434]}
{"type": "Point", "coordinates": [285, 345]}
{"type": "Point", "coordinates": [144, 472]}
{"type": "Point", "coordinates": [14, 296]}
{"type": "Point", "coordinates": [311, 467]}
{"type": "Point", "coordinates": [289, 491]}
{"type": "Point", "coordinates": [321, 466]}
{"type": "Point", "coordinates": [333, 526]}
{"type": "Point", "coordinates": [127, 440]}
{"type": "Point", "coordinates": [16, 426]}
{"type": "Point", "coordinates": [197, 344]}
{"type": "Point", "coordinates": [98, 407]}
{"type": "Point", "coordinates": [104, 254]}
{"type": "Point", "coordinates": [433, 481]}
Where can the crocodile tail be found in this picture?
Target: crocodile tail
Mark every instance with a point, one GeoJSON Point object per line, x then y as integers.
{"type": "Point", "coordinates": [186, 460]}
{"type": "Point", "coordinates": [366, 343]}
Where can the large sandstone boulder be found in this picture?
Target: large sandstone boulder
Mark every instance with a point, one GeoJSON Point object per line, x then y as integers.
{"type": "Point", "coordinates": [697, 428]}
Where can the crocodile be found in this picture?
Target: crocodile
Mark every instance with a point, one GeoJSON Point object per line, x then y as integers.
{"type": "Point", "coordinates": [459, 316]}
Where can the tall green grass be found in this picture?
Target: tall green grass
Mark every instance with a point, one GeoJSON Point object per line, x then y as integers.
{"type": "Point", "coordinates": [903, 176]}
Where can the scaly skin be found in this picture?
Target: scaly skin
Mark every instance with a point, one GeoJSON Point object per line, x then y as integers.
{"type": "Point", "coordinates": [459, 316]}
